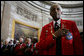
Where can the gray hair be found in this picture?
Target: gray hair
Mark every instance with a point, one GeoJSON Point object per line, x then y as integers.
{"type": "Point", "coordinates": [54, 5]}
{"type": "Point", "coordinates": [21, 39]}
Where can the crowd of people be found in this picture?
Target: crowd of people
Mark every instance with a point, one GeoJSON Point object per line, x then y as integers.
{"type": "Point", "coordinates": [19, 47]}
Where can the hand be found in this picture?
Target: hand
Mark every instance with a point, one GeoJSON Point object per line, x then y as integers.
{"type": "Point", "coordinates": [22, 48]}
{"type": "Point", "coordinates": [64, 31]}
{"type": "Point", "coordinates": [61, 32]}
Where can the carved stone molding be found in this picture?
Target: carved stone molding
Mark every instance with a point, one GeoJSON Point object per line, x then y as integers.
{"type": "Point", "coordinates": [26, 13]}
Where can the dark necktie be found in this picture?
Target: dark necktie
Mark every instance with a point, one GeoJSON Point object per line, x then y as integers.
{"type": "Point", "coordinates": [56, 27]}
{"type": "Point", "coordinates": [58, 41]}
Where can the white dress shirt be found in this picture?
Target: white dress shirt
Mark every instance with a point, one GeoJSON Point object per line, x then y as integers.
{"type": "Point", "coordinates": [57, 22]}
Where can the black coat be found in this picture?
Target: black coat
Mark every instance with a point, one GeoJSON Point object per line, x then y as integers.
{"type": "Point", "coordinates": [5, 50]}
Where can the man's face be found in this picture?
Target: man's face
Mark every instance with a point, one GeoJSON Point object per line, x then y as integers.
{"type": "Point", "coordinates": [20, 40]}
{"type": "Point", "coordinates": [55, 13]}
{"type": "Point", "coordinates": [1, 43]}
{"type": "Point", "coordinates": [6, 42]}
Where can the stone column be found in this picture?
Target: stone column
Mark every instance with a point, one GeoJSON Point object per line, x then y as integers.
{"type": "Point", "coordinates": [5, 21]}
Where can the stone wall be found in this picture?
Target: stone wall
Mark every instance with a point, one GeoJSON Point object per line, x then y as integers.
{"type": "Point", "coordinates": [23, 12]}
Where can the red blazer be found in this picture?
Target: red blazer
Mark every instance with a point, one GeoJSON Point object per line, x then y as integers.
{"type": "Point", "coordinates": [69, 47]}
{"type": "Point", "coordinates": [34, 51]}
{"type": "Point", "coordinates": [18, 51]}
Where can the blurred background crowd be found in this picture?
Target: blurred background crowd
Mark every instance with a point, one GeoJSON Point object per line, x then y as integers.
{"type": "Point", "coordinates": [18, 47]}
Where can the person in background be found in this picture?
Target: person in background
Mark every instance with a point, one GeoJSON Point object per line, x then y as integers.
{"type": "Point", "coordinates": [2, 47]}
{"type": "Point", "coordinates": [1, 44]}
{"type": "Point", "coordinates": [10, 43]}
{"type": "Point", "coordinates": [33, 49]}
{"type": "Point", "coordinates": [25, 39]}
{"type": "Point", "coordinates": [10, 47]}
{"type": "Point", "coordinates": [6, 48]}
{"type": "Point", "coordinates": [20, 48]}
{"type": "Point", "coordinates": [81, 34]}
{"type": "Point", "coordinates": [28, 47]}
{"type": "Point", "coordinates": [14, 45]}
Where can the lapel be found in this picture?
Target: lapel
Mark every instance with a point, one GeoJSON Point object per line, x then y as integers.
{"type": "Point", "coordinates": [63, 24]}
{"type": "Point", "coordinates": [51, 25]}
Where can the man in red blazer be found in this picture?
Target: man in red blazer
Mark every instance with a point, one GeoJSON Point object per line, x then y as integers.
{"type": "Point", "coordinates": [20, 48]}
{"type": "Point", "coordinates": [59, 37]}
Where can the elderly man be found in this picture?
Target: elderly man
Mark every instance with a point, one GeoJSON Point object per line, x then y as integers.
{"type": "Point", "coordinates": [6, 48]}
{"type": "Point", "coordinates": [59, 37]}
{"type": "Point", "coordinates": [28, 47]}
{"type": "Point", "coordinates": [19, 49]}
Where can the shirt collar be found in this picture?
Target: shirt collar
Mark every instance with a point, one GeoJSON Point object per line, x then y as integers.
{"type": "Point", "coordinates": [57, 22]}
